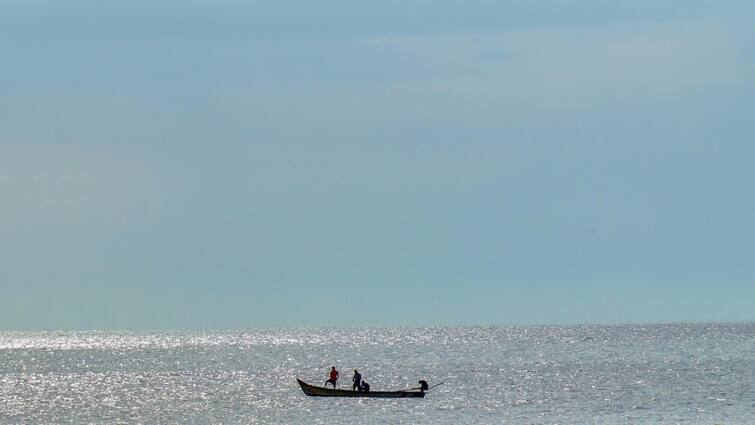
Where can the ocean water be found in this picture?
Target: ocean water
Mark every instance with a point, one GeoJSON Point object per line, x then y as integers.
{"type": "Point", "coordinates": [625, 374]}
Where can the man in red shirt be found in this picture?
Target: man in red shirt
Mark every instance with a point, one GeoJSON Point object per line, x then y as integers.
{"type": "Point", "coordinates": [333, 378]}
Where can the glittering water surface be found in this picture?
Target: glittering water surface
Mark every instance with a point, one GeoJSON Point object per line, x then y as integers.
{"type": "Point", "coordinates": [702, 373]}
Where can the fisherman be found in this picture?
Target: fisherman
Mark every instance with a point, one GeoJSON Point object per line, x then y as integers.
{"type": "Point", "coordinates": [365, 387]}
{"type": "Point", "coordinates": [333, 378]}
{"type": "Point", "coordinates": [357, 379]}
{"type": "Point", "coordinates": [423, 386]}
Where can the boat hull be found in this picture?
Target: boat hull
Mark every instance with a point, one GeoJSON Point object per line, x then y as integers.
{"type": "Point", "coordinates": [314, 391]}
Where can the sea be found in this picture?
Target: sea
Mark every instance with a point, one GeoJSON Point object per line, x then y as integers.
{"type": "Point", "coordinates": [586, 374]}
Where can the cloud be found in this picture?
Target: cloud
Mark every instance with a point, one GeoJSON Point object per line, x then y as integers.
{"type": "Point", "coordinates": [514, 77]}
{"type": "Point", "coordinates": [499, 80]}
{"type": "Point", "coordinates": [287, 19]}
{"type": "Point", "coordinates": [68, 183]}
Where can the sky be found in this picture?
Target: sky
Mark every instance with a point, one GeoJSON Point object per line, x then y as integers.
{"type": "Point", "coordinates": [225, 164]}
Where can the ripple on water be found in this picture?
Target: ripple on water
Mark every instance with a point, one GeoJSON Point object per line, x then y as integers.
{"type": "Point", "coordinates": [565, 374]}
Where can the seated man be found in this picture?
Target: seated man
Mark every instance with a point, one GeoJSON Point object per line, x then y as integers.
{"type": "Point", "coordinates": [423, 385]}
{"type": "Point", "coordinates": [365, 387]}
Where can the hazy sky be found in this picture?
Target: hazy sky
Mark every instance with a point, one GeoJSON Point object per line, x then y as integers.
{"type": "Point", "coordinates": [215, 164]}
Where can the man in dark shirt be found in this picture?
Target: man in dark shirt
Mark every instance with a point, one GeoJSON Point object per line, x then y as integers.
{"type": "Point", "coordinates": [357, 379]}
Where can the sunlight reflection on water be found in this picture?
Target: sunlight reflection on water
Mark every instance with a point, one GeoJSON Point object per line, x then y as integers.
{"type": "Point", "coordinates": [544, 374]}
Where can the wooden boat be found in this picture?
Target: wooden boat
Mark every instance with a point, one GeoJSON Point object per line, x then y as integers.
{"type": "Point", "coordinates": [315, 391]}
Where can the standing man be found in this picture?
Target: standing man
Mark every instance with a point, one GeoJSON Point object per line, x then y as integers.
{"type": "Point", "coordinates": [333, 378]}
{"type": "Point", "coordinates": [357, 379]}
